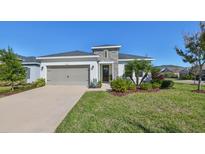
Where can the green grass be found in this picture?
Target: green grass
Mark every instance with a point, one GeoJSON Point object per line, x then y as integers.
{"type": "Point", "coordinates": [4, 89]}
{"type": "Point", "coordinates": [174, 110]}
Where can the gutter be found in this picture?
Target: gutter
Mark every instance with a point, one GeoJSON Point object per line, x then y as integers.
{"type": "Point", "coordinates": [70, 57]}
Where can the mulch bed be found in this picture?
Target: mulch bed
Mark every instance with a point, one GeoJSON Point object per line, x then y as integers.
{"type": "Point", "coordinates": [132, 92]}
{"type": "Point", "coordinates": [199, 91]}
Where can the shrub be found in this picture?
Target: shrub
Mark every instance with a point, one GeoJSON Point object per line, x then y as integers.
{"type": "Point", "coordinates": [156, 85]}
{"type": "Point", "coordinates": [170, 75]}
{"type": "Point", "coordinates": [156, 75]}
{"type": "Point", "coordinates": [119, 85]}
{"type": "Point", "coordinates": [167, 84]}
{"type": "Point", "coordinates": [96, 84]}
{"type": "Point", "coordinates": [146, 86]}
{"type": "Point", "coordinates": [4, 83]}
{"type": "Point", "coordinates": [99, 84]}
{"type": "Point", "coordinates": [40, 82]}
{"type": "Point", "coordinates": [186, 77]}
{"type": "Point", "coordinates": [130, 85]}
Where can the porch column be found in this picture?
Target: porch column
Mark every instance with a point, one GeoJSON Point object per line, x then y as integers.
{"type": "Point", "coordinates": [99, 79]}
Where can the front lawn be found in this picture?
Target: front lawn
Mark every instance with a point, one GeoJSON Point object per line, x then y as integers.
{"type": "Point", "coordinates": [4, 89]}
{"type": "Point", "coordinates": [174, 110]}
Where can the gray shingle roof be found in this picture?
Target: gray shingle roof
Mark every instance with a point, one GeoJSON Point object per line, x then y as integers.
{"type": "Point", "coordinates": [69, 53]}
{"type": "Point", "coordinates": [129, 56]}
{"type": "Point", "coordinates": [28, 59]}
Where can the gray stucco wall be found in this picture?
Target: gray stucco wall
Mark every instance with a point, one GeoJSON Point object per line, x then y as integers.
{"type": "Point", "coordinates": [112, 56]}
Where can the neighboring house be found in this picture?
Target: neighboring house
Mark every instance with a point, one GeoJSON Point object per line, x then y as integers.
{"type": "Point", "coordinates": [104, 63]}
{"type": "Point", "coordinates": [175, 71]}
{"type": "Point", "coordinates": [184, 71]}
{"type": "Point", "coordinates": [32, 67]}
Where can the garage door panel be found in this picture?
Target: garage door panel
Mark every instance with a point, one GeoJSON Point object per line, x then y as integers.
{"type": "Point", "coordinates": [75, 75]}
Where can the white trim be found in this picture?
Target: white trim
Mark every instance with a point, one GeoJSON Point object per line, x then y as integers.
{"type": "Point", "coordinates": [135, 59]}
{"type": "Point", "coordinates": [93, 72]}
{"type": "Point", "coordinates": [27, 63]}
{"type": "Point", "coordinates": [102, 47]}
{"type": "Point", "coordinates": [106, 62]}
{"type": "Point", "coordinates": [63, 57]}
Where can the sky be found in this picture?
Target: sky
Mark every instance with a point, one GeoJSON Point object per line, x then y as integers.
{"type": "Point", "coordinates": [154, 39]}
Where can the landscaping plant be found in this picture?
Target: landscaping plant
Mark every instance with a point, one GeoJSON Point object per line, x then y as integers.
{"type": "Point", "coordinates": [139, 68]}
{"type": "Point", "coordinates": [130, 85]}
{"type": "Point", "coordinates": [167, 84]}
{"type": "Point", "coordinates": [156, 85]}
{"type": "Point", "coordinates": [146, 86]}
{"type": "Point", "coordinates": [96, 84]}
{"type": "Point", "coordinates": [186, 77]}
{"type": "Point", "coordinates": [195, 50]}
{"type": "Point", "coordinates": [11, 69]}
{"type": "Point", "coordinates": [40, 82]}
{"type": "Point", "coordinates": [99, 84]}
{"type": "Point", "coordinates": [119, 85]}
{"type": "Point", "coordinates": [156, 75]}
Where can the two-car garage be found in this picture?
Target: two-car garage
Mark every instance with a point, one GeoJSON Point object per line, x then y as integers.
{"type": "Point", "coordinates": [68, 75]}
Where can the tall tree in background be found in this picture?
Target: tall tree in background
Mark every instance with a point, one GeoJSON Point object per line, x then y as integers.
{"type": "Point", "coordinates": [195, 50]}
{"type": "Point", "coordinates": [11, 68]}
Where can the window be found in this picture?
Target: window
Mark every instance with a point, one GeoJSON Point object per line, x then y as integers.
{"type": "Point", "coordinates": [28, 70]}
{"type": "Point", "coordinates": [106, 53]}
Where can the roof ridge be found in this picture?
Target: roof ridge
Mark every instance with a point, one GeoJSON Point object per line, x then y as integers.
{"type": "Point", "coordinates": [70, 53]}
{"type": "Point", "coordinates": [133, 55]}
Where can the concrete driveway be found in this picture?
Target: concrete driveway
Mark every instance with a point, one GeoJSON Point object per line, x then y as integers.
{"type": "Point", "coordinates": [189, 81]}
{"type": "Point", "coordinates": [38, 110]}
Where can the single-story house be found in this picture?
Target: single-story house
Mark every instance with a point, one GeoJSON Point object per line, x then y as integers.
{"type": "Point", "coordinates": [104, 63]}
{"type": "Point", "coordinates": [185, 71]}
{"type": "Point", "coordinates": [175, 71]}
{"type": "Point", "coordinates": [32, 66]}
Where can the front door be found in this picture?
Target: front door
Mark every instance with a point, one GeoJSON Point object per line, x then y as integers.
{"type": "Point", "coordinates": [105, 73]}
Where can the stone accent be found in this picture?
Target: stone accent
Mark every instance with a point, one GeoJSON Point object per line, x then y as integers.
{"type": "Point", "coordinates": [112, 55]}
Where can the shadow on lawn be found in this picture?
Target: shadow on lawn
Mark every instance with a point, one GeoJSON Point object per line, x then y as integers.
{"type": "Point", "coordinates": [145, 130]}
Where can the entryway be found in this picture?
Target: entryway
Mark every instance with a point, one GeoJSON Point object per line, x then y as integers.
{"type": "Point", "coordinates": [106, 73]}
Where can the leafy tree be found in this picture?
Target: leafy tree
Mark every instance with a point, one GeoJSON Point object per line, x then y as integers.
{"type": "Point", "coordinates": [194, 50]}
{"type": "Point", "coordinates": [137, 67]}
{"type": "Point", "coordinates": [11, 68]}
{"type": "Point", "coordinates": [157, 76]}
{"type": "Point", "coordinates": [194, 70]}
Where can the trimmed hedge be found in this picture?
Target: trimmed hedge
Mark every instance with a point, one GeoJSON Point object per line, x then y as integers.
{"type": "Point", "coordinates": [167, 84]}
